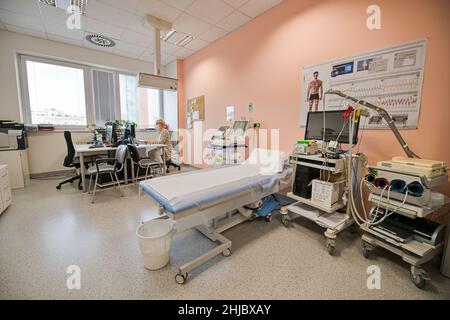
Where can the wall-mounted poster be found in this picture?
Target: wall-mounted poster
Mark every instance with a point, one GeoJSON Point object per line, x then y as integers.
{"type": "Point", "coordinates": [391, 78]}
{"type": "Point", "coordinates": [196, 108]}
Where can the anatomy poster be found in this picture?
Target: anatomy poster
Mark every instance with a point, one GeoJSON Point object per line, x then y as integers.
{"type": "Point", "coordinates": [391, 78]}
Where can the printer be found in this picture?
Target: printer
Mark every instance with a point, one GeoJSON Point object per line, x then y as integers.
{"type": "Point", "coordinates": [13, 136]}
{"type": "Point", "coordinates": [428, 168]}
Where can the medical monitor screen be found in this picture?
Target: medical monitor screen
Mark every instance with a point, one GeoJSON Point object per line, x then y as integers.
{"type": "Point", "coordinates": [335, 124]}
{"type": "Point", "coordinates": [240, 127]}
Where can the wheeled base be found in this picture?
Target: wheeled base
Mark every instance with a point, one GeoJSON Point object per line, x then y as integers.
{"type": "Point", "coordinates": [224, 248]}
{"type": "Point", "coordinates": [417, 273]}
{"type": "Point", "coordinates": [330, 234]}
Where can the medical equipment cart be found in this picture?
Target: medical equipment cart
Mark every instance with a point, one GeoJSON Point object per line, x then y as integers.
{"type": "Point", "coordinates": [415, 251]}
{"type": "Point", "coordinates": [336, 217]}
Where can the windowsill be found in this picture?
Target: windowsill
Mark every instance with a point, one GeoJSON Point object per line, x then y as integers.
{"type": "Point", "coordinates": [78, 130]}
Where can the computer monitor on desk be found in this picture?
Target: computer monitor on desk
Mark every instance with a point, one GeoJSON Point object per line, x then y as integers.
{"type": "Point", "coordinates": [111, 134]}
{"type": "Point", "coordinates": [240, 127]}
{"type": "Point", "coordinates": [130, 133]}
{"type": "Point", "coordinates": [336, 127]}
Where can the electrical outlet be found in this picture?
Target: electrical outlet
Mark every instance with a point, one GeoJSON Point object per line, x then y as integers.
{"type": "Point", "coordinates": [250, 107]}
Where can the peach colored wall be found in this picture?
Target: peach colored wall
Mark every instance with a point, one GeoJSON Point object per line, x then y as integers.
{"type": "Point", "coordinates": [262, 62]}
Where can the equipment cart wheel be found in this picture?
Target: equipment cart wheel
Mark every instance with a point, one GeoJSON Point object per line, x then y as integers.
{"type": "Point", "coordinates": [268, 218]}
{"type": "Point", "coordinates": [181, 279]}
{"type": "Point", "coordinates": [227, 252]}
{"type": "Point", "coordinates": [417, 277]}
{"type": "Point", "coordinates": [353, 228]}
{"type": "Point", "coordinates": [331, 246]}
{"type": "Point", "coordinates": [365, 249]}
{"type": "Point", "coordinates": [330, 249]}
{"type": "Point", "coordinates": [285, 220]}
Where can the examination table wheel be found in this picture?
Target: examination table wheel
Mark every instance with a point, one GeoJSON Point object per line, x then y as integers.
{"type": "Point", "coordinates": [181, 279]}
{"type": "Point", "coordinates": [226, 253]}
{"type": "Point", "coordinates": [285, 220]}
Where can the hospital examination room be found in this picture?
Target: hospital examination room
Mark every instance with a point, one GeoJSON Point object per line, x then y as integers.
{"type": "Point", "coordinates": [236, 150]}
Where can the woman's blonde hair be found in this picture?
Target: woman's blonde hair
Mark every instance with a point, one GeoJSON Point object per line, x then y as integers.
{"type": "Point", "coordinates": [161, 123]}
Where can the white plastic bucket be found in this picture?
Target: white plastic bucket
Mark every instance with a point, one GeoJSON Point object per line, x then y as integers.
{"type": "Point", "coordinates": [155, 239]}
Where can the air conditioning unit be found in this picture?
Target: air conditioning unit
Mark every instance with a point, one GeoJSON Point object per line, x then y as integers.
{"type": "Point", "coordinates": [157, 82]}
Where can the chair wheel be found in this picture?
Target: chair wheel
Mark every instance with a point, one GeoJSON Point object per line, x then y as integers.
{"type": "Point", "coordinates": [58, 187]}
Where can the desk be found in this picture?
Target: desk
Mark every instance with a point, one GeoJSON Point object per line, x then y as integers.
{"type": "Point", "coordinates": [83, 150]}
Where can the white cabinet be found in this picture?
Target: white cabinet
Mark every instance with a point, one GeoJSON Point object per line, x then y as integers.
{"type": "Point", "coordinates": [17, 162]}
{"type": "Point", "coordinates": [5, 188]}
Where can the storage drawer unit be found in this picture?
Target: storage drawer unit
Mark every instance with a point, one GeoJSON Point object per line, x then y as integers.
{"type": "Point", "coordinates": [5, 188]}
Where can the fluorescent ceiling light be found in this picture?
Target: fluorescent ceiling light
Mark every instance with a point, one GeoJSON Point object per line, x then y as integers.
{"type": "Point", "coordinates": [186, 40]}
{"type": "Point", "coordinates": [78, 6]}
{"type": "Point", "coordinates": [169, 35]}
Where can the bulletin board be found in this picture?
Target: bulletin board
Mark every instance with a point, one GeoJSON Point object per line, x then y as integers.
{"type": "Point", "coordinates": [196, 108]}
{"type": "Point", "coordinates": [391, 78]}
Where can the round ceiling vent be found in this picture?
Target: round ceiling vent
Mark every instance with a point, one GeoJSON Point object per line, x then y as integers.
{"type": "Point", "coordinates": [100, 40]}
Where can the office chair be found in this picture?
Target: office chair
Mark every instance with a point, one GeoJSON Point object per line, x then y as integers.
{"type": "Point", "coordinates": [69, 161]}
{"type": "Point", "coordinates": [170, 162]}
{"type": "Point", "coordinates": [108, 166]}
{"type": "Point", "coordinates": [142, 163]}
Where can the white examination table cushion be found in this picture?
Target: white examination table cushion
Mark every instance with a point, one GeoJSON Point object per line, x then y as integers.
{"type": "Point", "coordinates": [182, 192]}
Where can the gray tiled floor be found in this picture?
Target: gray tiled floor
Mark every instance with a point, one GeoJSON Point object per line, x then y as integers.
{"type": "Point", "coordinates": [44, 231]}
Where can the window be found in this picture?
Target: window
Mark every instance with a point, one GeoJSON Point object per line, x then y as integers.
{"type": "Point", "coordinates": [104, 97]}
{"type": "Point", "coordinates": [56, 94]}
{"type": "Point", "coordinates": [73, 95]}
{"type": "Point", "coordinates": [140, 105]}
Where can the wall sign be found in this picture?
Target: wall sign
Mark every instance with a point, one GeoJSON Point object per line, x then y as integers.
{"type": "Point", "coordinates": [391, 78]}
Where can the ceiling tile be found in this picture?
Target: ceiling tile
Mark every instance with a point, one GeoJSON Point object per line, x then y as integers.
{"type": "Point", "coordinates": [63, 31]}
{"type": "Point", "coordinates": [65, 40]}
{"type": "Point", "coordinates": [211, 11]}
{"type": "Point", "coordinates": [139, 39]}
{"type": "Point", "coordinates": [128, 5]}
{"type": "Point", "coordinates": [130, 48]}
{"type": "Point", "coordinates": [254, 8]}
{"type": "Point", "coordinates": [148, 55]}
{"type": "Point", "coordinates": [235, 3]}
{"type": "Point", "coordinates": [126, 54]}
{"type": "Point", "coordinates": [108, 14]}
{"type": "Point", "coordinates": [233, 21]}
{"type": "Point", "coordinates": [169, 48]}
{"type": "Point", "coordinates": [25, 7]}
{"type": "Point", "coordinates": [197, 44]}
{"type": "Point", "coordinates": [29, 32]}
{"type": "Point", "coordinates": [212, 34]}
{"type": "Point", "coordinates": [103, 29]}
{"type": "Point", "coordinates": [158, 9]}
{"type": "Point", "coordinates": [179, 4]}
{"type": "Point", "coordinates": [53, 14]}
{"type": "Point", "coordinates": [188, 24]}
{"type": "Point", "coordinates": [22, 21]}
{"type": "Point", "coordinates": [183, 53]}
{"type": "Point", "coordinates": [140, 25]}
{"type": "Point", "coordinates": [166, 59]}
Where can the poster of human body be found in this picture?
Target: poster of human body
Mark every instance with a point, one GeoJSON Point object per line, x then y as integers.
{"type": "Point", "coordinates": [391, 78]}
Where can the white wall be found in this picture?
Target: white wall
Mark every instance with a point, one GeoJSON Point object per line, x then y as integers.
{"type": "Point", "coordinates": [47, 150]}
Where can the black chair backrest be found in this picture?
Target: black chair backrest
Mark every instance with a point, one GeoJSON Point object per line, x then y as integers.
{"type": "Point", "coordinates": [68, 160]}
{"type": "Point", "coordinates": [134, 153]}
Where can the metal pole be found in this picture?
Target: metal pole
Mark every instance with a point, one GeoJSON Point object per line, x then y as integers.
{"type": "Point", "coordinates": [157, 67]}
{"type": "Point", "coordinates": [385, 115]}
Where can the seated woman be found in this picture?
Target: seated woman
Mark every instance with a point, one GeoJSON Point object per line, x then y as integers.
{"type": "Point", "coordinates": [163, 138]}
